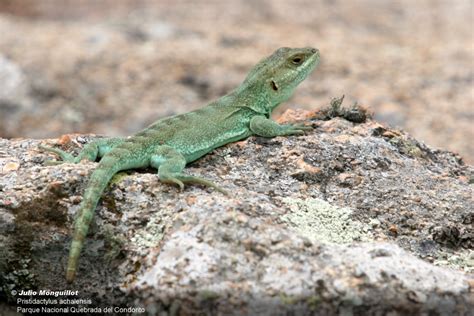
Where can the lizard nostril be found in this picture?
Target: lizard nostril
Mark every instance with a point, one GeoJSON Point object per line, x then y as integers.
{"type": "Point", "coordinates": [313, 50]}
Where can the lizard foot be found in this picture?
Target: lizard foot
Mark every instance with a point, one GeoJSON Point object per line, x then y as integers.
{"type": "Point", "coordinates": [295, 129]}
{"type": "Point", "coordinates": [66, 157]}
{"type": "Point", "coordinates": [181, 179]}
{"type": "Point", "coordinates": [192, 179]}
{"type": "Point", "coordinates": [172, 180]}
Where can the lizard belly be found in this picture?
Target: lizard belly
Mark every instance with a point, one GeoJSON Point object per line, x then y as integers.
{"type": "Point", "coordinates": [193, 150]}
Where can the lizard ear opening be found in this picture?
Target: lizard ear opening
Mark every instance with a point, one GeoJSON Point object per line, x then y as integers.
{"type": "Point", "coordinates": [274, 85]}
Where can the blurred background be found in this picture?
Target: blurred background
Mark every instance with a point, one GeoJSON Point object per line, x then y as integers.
{"type": "Point", "coordinates": [112, 67]}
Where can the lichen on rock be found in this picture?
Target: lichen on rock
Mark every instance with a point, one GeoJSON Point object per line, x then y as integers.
{"type": "Point", "coordinates": [302, 231]}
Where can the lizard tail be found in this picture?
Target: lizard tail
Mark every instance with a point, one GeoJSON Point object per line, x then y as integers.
{"type": "Point", "coordinates": [98, 181]}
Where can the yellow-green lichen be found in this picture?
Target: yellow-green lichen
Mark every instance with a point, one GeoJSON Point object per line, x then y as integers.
{"type": "Point", "coordinates": [313, 302]}
{"type": "Point", "coordinates": [320, 221]}
{"type": "Point", "coordinates": [288, 299]}
{"type": "Point", "coordinates": [407, 146]}
{"type": "Point", "coordinates": [117, 178]}
{"type": "Point", "coordinates": [208, 295]}
{"type": "Point", "coordinates": [153, 232]}
{"type": "Point", "coordinates": [115, 242]}
{"type": "Point", "coordinates": [464, 260]}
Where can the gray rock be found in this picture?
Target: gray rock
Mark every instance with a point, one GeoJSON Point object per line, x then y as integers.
{"type": "Point", "coordinates": [349, 219]}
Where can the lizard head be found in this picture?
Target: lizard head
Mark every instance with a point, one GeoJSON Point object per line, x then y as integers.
{"type": "Point", "coordinates": [280, 73]}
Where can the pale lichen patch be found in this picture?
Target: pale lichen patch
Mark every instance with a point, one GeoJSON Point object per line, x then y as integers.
{"type": "Point", "coordinates": [320, 221]}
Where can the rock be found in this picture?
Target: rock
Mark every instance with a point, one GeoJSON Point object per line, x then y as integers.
{"type": "Point", "coordinates": [14, 100]}
{"type": "Point", "coordinates": [12, 79]}
{"type": "Point", "coordinates": [319, 243]}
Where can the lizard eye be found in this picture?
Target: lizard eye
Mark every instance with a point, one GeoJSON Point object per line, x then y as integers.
{"type": "Point", "coordinates": [296, 60]}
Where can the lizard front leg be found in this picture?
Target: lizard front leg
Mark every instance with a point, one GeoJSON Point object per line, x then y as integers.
{"type": "Point", "coordinates": [91, 151]}
{"type": "Point", "coordinates": [170, 164]}
{"type": "Point", "coordinates": [264, 127]}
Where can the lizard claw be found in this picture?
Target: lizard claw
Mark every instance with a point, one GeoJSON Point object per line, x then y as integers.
{"type": "Point", "coordinates": [172, 180]}
{"type": "Point", "coordinates": [295, 129]}
{"type": "Point", "coordinates": [302, 127]}
{"type": "Point", "coordinates": [306, 128]}
{"type": "Point", "coordinates": [53, 162]}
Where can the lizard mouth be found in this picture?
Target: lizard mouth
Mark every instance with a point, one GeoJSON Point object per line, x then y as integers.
{"type": "Point", "coordinates": [314, 50]}
{"type": "Point", "coordinates": [314, 53]}
{"type": "Point", "coordinates": [313, 59]}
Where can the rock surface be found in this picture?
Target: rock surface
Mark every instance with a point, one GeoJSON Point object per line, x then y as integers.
{"type": "Point", "coordinates": [349, 218]}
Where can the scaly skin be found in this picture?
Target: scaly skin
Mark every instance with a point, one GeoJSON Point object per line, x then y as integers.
{"type": "Point", "coordinates": [170, 143]}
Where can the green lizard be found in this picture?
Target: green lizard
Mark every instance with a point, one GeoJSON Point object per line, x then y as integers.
{"type": "Point", "coordinates": [170, 143]}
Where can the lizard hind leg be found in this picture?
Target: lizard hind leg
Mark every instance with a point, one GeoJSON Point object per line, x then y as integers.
{"type": "Point", "coordinates": [170, 164]}
{"type": "Point", "coordinates": [90, 152]}
{"type": "Point", "coordinates": [66, 157]}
